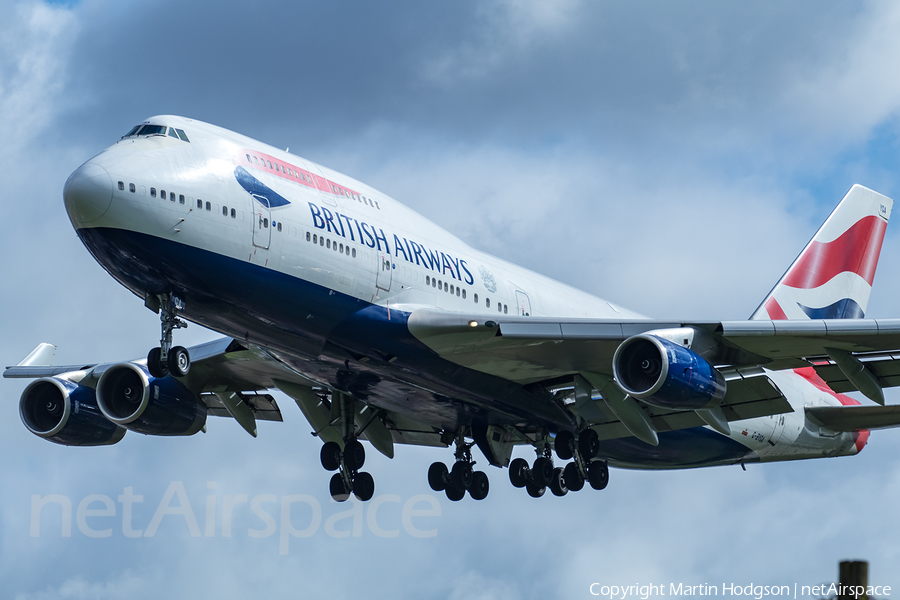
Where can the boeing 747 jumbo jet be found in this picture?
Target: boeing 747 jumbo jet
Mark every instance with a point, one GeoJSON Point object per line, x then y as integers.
{"type": "Point", "coordinates": [384, 327]}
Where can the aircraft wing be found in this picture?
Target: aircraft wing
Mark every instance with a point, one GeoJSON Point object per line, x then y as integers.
{"type": "Point", "coordinates": [231, 379]}
{"type": "Point", "coordinates": [532, 349]}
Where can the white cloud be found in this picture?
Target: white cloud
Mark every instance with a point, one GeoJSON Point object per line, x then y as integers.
{"type": "Point", "coordinates": [34, 46]}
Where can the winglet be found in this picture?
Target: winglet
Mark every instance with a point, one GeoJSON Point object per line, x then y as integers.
{"type": "Point", "coordinates": [42, 356]}
{"type": "Point", "coordinates": [832, 277]}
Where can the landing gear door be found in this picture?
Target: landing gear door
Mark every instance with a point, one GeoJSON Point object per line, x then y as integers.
{"type": "Point", "coordinates": [262, 232]}
{"type": "Point", "coordinates": [385, 270]}
{"type": "Point", "coordinates": [523, 304]}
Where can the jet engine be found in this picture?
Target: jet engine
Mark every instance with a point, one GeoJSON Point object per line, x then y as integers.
{"type": "Point", "coordinates": [128, 396]}
{"type": "Point", "coordinates": [66, 413]}
{"type": "Point", "coordinates": [662, 373]}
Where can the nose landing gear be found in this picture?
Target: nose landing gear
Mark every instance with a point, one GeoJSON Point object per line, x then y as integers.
{"type": "Point", "coordinates": [166, 359]}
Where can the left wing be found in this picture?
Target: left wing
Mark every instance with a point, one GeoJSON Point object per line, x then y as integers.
{"type": "Point", "coordinates": [231, 379]}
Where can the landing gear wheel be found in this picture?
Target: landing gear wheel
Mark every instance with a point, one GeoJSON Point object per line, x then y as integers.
{"type": "Point", "coordinates": [354, 455]}
{"type": "Point", "coordinates": [155, 365]}
{"type": "Point", "coordinates": [519, 472]}
{"type": "Point", "coordinates": [574, 478]}
{"type": "Point", "coordinates": [558, 483]}
{"type": "Point", "coordinates": [363, 486]}
{"type": "Point", "coordinates": [535, 491]}
{"type": "Point", "coordinates": [437, 476]}
{"type": "Point", "coordinates": [598, 474]}
{"type": "Point", "coordinates": [179, 362]}
{"type": "Point", "coordinates": [480, 485]}
{"type": "Point", "coordinates": [461, 475]}
{"type": "Point", "coordinates": [565, 445]}
{"type": "Point", "coordinates": [453, 494]}
{"type": "Point", "coordinates": [331, 456]}
{"type": "Point", "coordinates": [337, 488]}
{"type": "Point", "coordinates": [541, 471]}
{"type": "Point", "coordinates": [588, 444]}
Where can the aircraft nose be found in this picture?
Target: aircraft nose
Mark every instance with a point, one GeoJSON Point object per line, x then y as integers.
{"type": "Point", "coordinates": [88, 193]}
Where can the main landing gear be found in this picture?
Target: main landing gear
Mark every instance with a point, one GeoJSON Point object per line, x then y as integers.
{"type": "Point", "coordinates": [542, 474]}
{"type": "Point", "coordinates": [167, 359]}
{"type": "Point", "coordinates": [347, 462]}
{"type": "Point", "coordinates": [460, 479]}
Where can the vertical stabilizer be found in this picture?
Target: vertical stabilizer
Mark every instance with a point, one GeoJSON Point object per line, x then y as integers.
{"type": "Point", "coordinates": [832, 277]}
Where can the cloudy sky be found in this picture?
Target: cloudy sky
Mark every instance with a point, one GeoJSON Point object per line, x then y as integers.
{"type": "Point", "coordinates": [671, 157]}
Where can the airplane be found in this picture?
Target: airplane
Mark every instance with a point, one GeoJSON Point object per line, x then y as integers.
{"type": "Point", "coordinates": [385, 328]}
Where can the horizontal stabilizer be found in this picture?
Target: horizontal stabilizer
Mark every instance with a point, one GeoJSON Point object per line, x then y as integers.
{"type": "Point", "coordinates": [854, 418]}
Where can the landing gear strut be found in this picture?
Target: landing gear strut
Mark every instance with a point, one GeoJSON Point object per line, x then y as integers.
{"type": "Point", "coordinates": [542, 474]}
{"type": "Point", "coordinates": [168, 359]}
{"type": "Point", "coordinates": [461, 478]}
{"type": "Point", "coordinates": [347, 462]}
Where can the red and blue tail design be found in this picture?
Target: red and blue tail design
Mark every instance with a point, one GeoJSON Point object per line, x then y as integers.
{"type": "Point", "coordinates": [832, 277]}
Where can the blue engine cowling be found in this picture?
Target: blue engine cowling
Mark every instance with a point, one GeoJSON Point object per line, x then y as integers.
{"type": "Point", "coordinates": [128, 396]}
{"type": "Point", "coordinates": [662, 373]}
{"type": "Point", "coordinates": [66, 413]}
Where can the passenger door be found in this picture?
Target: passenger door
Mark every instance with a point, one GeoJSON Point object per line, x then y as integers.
{"type": "Point", "coordinates": [262, 217]}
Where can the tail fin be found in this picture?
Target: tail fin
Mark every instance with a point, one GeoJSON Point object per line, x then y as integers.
{"type": "Point", "coordinates": [832, 277]}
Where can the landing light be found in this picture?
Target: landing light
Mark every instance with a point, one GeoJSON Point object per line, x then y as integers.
{"type": "Point", "coordinates": [473, 323]}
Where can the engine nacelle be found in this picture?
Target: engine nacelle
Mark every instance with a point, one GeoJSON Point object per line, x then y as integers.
{"type": "Point", "coordinates": [128, 396]}
{"type": "Point", "coordinates": [662, 373]}
{"type": "Point", "coordinates": [66, 413]}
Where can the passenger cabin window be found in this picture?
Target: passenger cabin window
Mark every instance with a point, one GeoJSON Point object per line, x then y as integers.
{"type": "Point", "coordinates": [122, 185]}
{"type": "Point", "coordinates": [199, 203]}
{"type": "Point", "coordinates": [224, 211]}
{"type": "Point", "coordinates": [153, 192]}
{"type": "Point", "coordinates": [233, 213]}
{"type": "Point", "coordinates": [279, 226]}
{"type": "Point", "coordinates": [475, 298]}
{"type": "Point", "coordinates": [181, 198]}
{"type": "Point", "coordinates": [208, 205]}
{"type": "Point", "coordinates": [131, 187]}
{"type": "Point", "coordinates": [172, 196]}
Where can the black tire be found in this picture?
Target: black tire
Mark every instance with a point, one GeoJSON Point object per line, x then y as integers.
{"type": "Point", "coordinates": [437, 476]}
{"type": "Point", "coordinates": [461, 475]}
{"type": "Point", "coordinates": [574, 478]}
{"type": "Point", "coordinates": [330, 456]}
{"type": "Point", "coordinates": [541, 471]}
{"type": "Point", "coordinates": [155, 364]}
{"type": "Point", "coordinates": [480, 485]}
{"type": "Point", "coordinates": [179, 362]}
{"type": "Point", "coordinates": [588, 444]}
{"type": "Point", "coordinates": [558, 483]}
{"type": "Point", "coordinates": [598, 475]}
{"type": "Point", "coordinates": [354, 455]}
{"type": "Point", "coordinates": [337, 489]}
{"type": "Point", "coordinates": [453, 494]}
{"type": "Point", "coordinates": [565, 445]}
{"type": "Point", "coordinates": [519, 472]}
{"type": "Point", "coordinates": [363, 486]}
{"type": "Point", "coordinates": [535, 491]}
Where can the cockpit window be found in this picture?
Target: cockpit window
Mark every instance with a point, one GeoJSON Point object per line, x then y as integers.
{"type": "Point", "coordinates": [146, 130]}
{"type": "Point", "coordinates": [153, 130]}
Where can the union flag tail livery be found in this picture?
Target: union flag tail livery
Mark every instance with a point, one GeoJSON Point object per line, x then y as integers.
{"type": "Point", "coordinates": [832, 277]}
